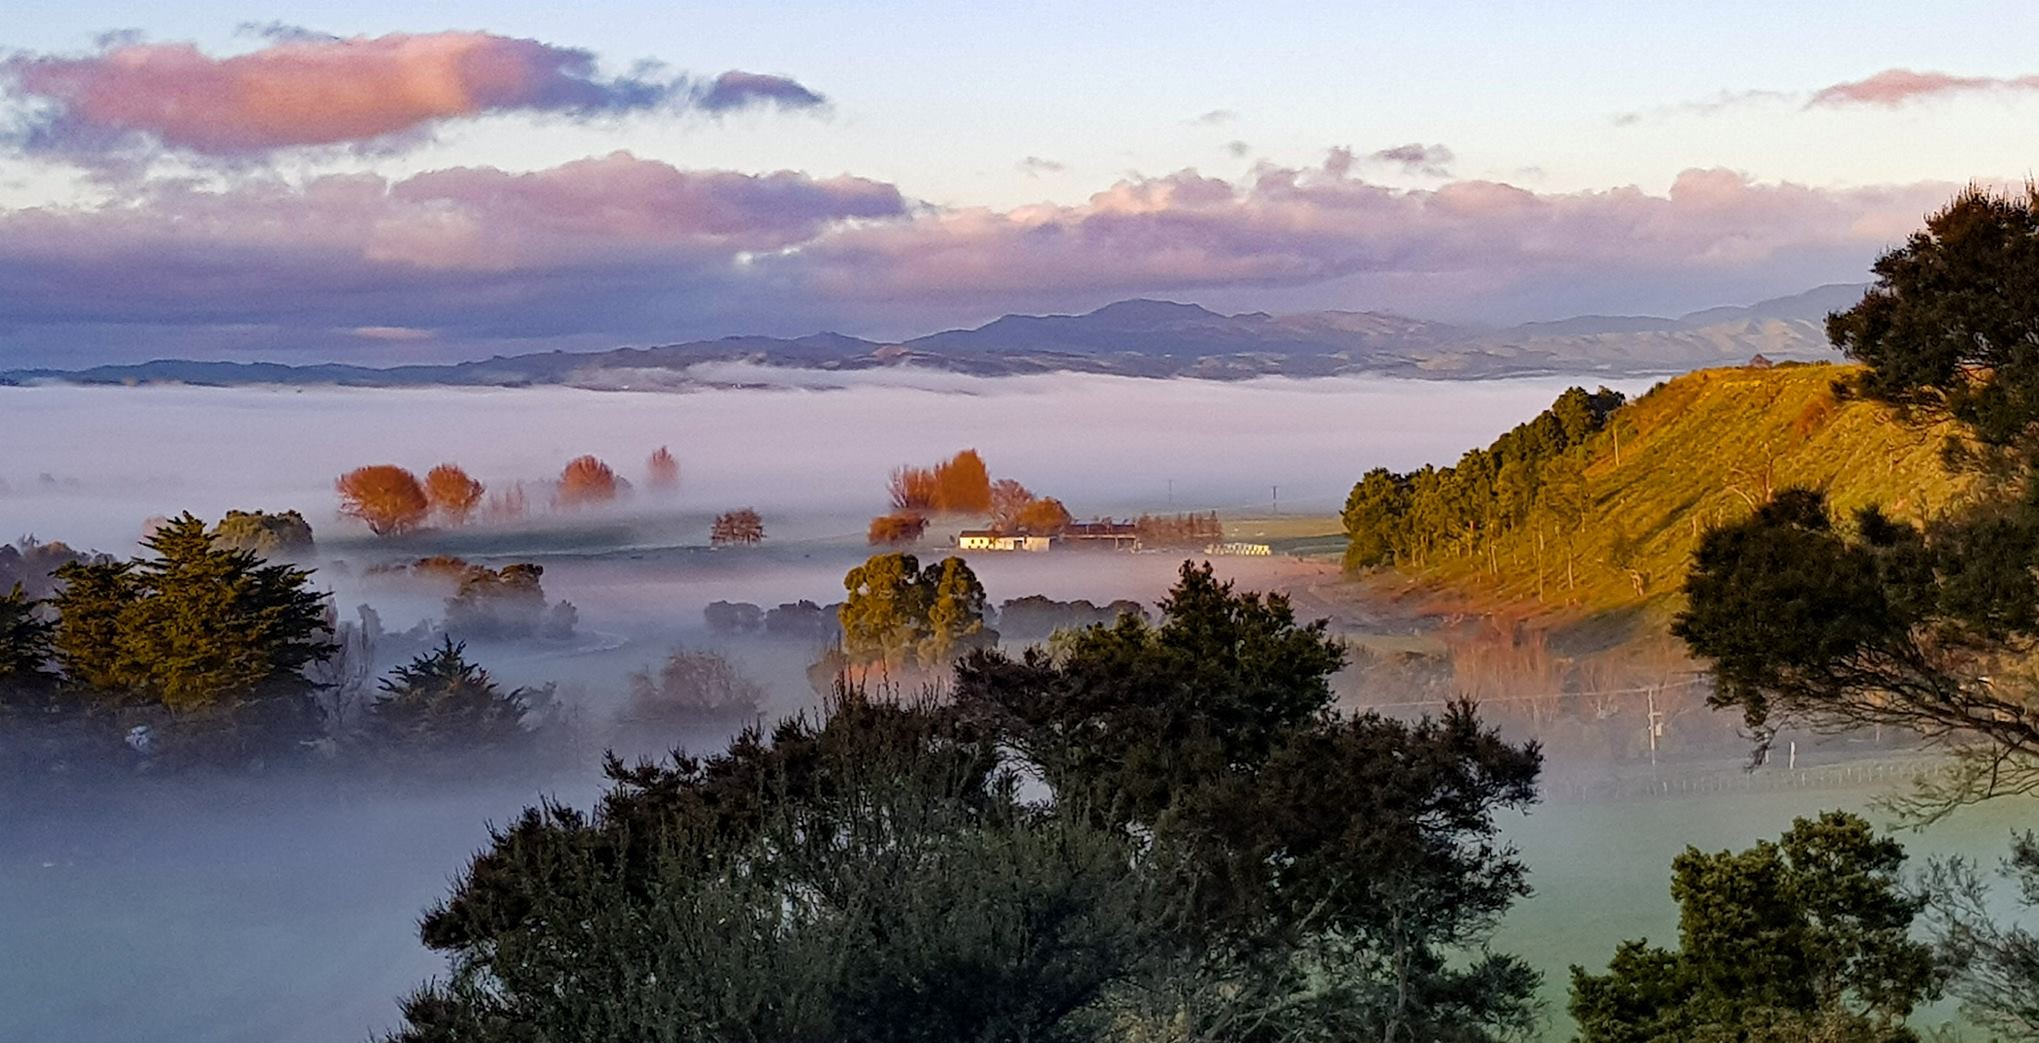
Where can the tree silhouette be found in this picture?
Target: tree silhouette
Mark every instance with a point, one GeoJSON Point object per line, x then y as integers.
{"type": "Point", "coordinates": [662, 471]}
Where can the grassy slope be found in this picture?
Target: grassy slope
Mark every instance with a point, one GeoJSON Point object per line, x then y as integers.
{"type": "Point", "coordinates": [1693, 453]}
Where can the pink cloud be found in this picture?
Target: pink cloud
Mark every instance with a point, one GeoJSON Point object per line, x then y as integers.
{"type": "Point", "coordinates": [1289, 227]}
{"type": "Point", "coordinates": [1894, 87]}
{"type": "Point", "coordinates": [619, 248]}
{"type": "Point", "coordinates": [308, 90]}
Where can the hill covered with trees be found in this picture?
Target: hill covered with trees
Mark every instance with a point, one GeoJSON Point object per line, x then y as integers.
{"type": "Point", "coordinates": [1595, 506]}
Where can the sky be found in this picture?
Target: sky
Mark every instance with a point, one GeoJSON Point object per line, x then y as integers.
{"type": "Point", "coordinates": [376, 183]}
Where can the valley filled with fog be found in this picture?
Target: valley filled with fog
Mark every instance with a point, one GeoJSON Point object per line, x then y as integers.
{"type": "Point", "coordinates": [271, 910]}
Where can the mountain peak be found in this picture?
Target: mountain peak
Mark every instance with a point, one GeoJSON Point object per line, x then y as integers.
{"type": "Point", "coordinates": [1149, 310]}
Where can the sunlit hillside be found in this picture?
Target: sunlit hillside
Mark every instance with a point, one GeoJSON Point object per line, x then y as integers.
{"type": "Point", "coordinates": [1696, 451]}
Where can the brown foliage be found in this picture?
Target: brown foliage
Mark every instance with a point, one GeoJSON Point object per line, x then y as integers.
{"type": "Point", "coordinates": [385, 496]}
{"type": "Point", "coordinates": [586, 480]}
{"type": "Point", "coordinates": [897, 528]}
{"type": "Point", "coordinates": [1043, 517]}
{"type": "Point", "coordinates": [958, 485]}
{"type": "Point", "coordinates": [662, 472]}
{"type": "Point", "coordinates": [452, 493]}
{"type": "Point", "coordinates": [1007, 499]}
{"type": "Point", "coordinates": [912, 488]}
{"type": "Point", "coordinates": [962, 484]}
{"type": "Point", "coordinates": [738, 526]}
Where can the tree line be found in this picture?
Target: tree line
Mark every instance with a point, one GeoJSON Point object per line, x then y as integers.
{"type": "Point", "coordinates": [1532, 473]}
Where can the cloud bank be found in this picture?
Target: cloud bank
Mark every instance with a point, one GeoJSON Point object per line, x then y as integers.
{"type": "Point", "coordinates": [301, 89]}
{"type": "Point", "coordinates": [621, 249]}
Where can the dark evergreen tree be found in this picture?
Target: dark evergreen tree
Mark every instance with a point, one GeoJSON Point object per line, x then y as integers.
{"type": "Point", "coordinates": [441, 703]}
{"type": "Point", "coordinates": [1212, 735]}
{"type": "Point", "coordinates": [211, 634]}
{"type": "Point", "coordinates": [27, 650]}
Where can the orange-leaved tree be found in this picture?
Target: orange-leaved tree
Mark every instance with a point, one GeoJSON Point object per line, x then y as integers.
{"type": "Point", "coordinates": [897, 529]}
{"type": "Point", "coordinates": [453, 493]}
{"type": "Point", "coordinates": [912, 488]}
{"type": "Point", "coordinates": [662, 471]}
{"type": "Point", "coordinates": [586, 480]}
{"type": "Point", "coordinates": [385, 496]}
{"type": "Point", "coordinates": [962, 484]}
{"type": "Point", "coordinates": [1043, 517]}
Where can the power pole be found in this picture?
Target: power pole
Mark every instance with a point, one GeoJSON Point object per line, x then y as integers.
{"type": "Point", "coordinates": [1656, 725]}
{"type": "Point", "coordinates": [1274, 494]}
{"type": "Point", "coordinates": [1171, 494]}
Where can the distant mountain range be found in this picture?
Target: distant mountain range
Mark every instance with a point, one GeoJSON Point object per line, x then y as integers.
{"type": "Point", "coordinates": [1142, 338]}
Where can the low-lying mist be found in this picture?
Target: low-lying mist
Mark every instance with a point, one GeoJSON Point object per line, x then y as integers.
{"type": "Point", "coordinates": [88, 464]}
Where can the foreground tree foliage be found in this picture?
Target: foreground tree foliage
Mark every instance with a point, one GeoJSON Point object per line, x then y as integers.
{"type": "Point", "coordinates": [1256, 867]}
{"type": "Point", "coordinates": [1997, 965]}
{"type": "Point", "coordinates": [1213, 734]}
{"type": "Point", "coordinates": [1803, 939]}
{"type": "Point", "coordinates": [1808, 619]}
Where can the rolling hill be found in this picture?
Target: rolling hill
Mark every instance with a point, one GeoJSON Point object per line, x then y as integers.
{"type": "Point", "coordinates": [1140, 338]}
{"type": "Point", "coordinates": [1697, 450]}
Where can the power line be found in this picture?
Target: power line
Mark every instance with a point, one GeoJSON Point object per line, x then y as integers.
{"type": "Point", "coordinates": [1643, 690]}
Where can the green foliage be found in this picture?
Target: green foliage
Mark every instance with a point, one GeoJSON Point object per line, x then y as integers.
{"type": "Point", "coordinates": [1391, 518]}
{"type": "Point", "coordinates": [194, 627]}
{"type": "Point", "coordinates": [866, 875]}
{"type": "Point", "coordinates": [441, 703]}
{"type": "Point", "coordinates": [871, 874]}
{"type": "Point", "coordinates": [1952, 323]}
{"type": "Point", "coordinates": [277, 536]}
{"type": "Point", "coordinates": [1803, 939]}
{"type": "Point", "coordinates": [1879, 622]}
{"type": "Point", "coordinates": [26, 651]}
{"type": "Point", "coordinates": [1212, 735]}
{"type": "Point", "coordinates": [898, 612]}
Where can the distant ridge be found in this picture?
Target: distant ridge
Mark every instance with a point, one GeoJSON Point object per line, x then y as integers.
{"type": "Point", "coordinates": [1140, 338]}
